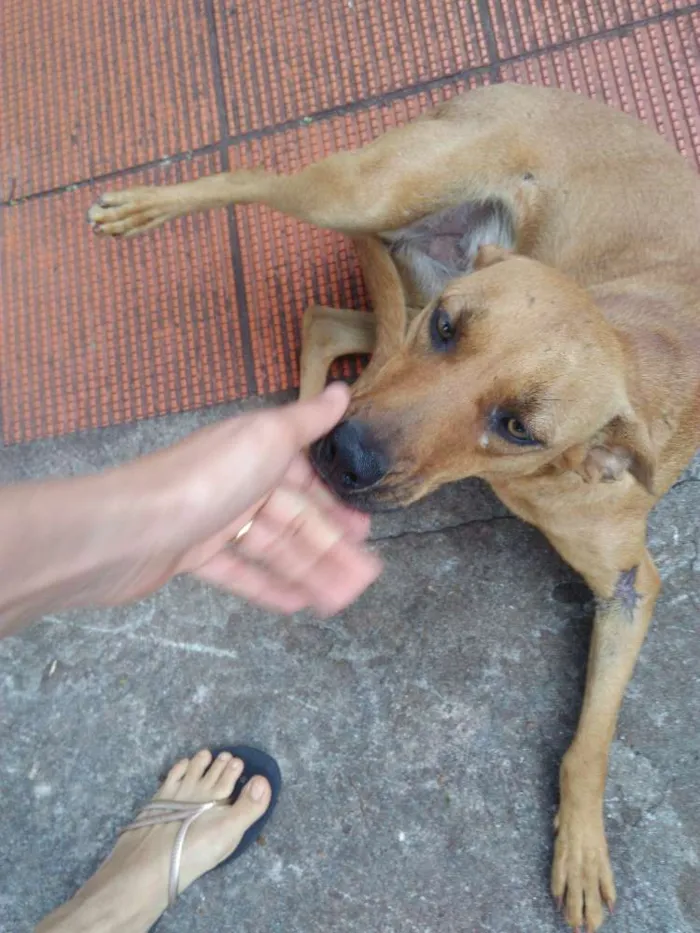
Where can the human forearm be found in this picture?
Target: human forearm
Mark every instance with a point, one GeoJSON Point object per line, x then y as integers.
{"type": "Point", "coordinates": [64, 543]}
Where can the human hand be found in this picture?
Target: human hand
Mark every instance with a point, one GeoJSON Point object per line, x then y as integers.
{"type": "Point", "coordinates": [114, 537]}
{"type": "Point", "coordinates": [304, 547]}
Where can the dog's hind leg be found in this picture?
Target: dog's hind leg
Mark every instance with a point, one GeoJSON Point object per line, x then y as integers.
{"type": "Point", "coordinates": [450, 155]}
{"type": "Point", "coordinates": [626, 585]}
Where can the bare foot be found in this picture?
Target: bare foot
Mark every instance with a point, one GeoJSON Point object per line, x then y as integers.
{"type": "Point", "coordinates": [130, 890]}
{"type": "Point", "coordinates": [582, 879]}
{"type": "Point", "coordinates": [134, 210]}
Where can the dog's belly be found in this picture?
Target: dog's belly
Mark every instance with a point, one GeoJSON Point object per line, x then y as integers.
{"type": "Point", "coordinates": [443, 246]}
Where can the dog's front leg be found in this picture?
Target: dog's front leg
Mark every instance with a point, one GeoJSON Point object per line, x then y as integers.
{"type": "Point", "coordinates": [328, 333]}
{"type": "Point", "coordinates": [581, 876]}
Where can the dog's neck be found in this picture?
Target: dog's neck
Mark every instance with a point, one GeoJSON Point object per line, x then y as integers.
{"type": "Point", "coordinates": [663, 381]}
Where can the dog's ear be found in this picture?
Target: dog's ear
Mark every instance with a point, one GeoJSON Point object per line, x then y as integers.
{"type": "Point", "coordinates": [489, 254]}
{"type": "Point", "coordinates": [623, 446]}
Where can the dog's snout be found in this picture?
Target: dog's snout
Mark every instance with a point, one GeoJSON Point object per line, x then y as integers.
{"type": "Point", "coordinates": [351, 458]}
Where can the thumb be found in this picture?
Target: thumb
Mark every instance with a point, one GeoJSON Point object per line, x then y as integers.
{"type": "Point", "coordinates": [314, 417]}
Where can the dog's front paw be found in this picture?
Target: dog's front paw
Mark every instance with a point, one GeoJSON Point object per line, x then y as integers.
{"type": "Point", "coordinates": [130, 212]}
{"type": "Point", "coordinates": [582, 879]}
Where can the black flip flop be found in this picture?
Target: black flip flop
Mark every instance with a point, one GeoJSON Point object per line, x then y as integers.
{"type": "Point", "coordinates": [160, 811]}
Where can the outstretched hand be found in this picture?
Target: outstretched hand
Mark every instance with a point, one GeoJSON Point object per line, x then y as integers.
{"type": "Point", "coordinates": [304, 547]}
{"type": "Point", "coordinates": [114, 537]}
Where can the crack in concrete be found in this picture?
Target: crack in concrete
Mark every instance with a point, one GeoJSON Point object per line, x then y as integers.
{"type": "Point", "coordinates": [361, 803]}
{"type": "Point", "coordinates": [188, 646]}
{"type": "Point", "coordinates": [444, 528]}
{"type": "Point", "coordinates": [684, 482]}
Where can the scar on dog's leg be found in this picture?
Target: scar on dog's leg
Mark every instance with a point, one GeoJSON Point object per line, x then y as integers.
{"type": "Point", "coordinates": [329, 333]}
{"type": "Point", "coordinates": [581, 873]}
{"type": "Point", "coordinates": [625, 593]}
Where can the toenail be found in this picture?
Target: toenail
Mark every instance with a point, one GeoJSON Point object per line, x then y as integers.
{"type": "Point", "coordinates": [256, 789]}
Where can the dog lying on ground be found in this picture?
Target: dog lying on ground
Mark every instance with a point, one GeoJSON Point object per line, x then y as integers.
{"type": "Point", "coordinates": [554, 247]}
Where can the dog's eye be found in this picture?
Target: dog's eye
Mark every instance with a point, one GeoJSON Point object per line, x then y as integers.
{"type": "Point", "coordinates": [517, 430]}
{"type": "Point", "coordinates": [512, 429]}
{"type": "Point", "coordinates": [442, 331]}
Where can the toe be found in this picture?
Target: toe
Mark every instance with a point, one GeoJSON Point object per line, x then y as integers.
{"type": "Point", "coordinates": [607, 885]}
{"type": "Point", "coordinates": [559, 871]}
{"type": "Point", "coordinates": [574, 900]}
{"type": "Point", "coordinates": [252, 803]}
{"type": "Point", "coordinates": [195, 770]}
{"type": "Point", "coordinates": [100, 214]}
{"type": "Point", "coordinates": [131, 222]}
{"type": "Point", "coordinates": [227, 780]}
{"type": "Point", "coordinates": [216, 770]}
{"type": "Point", "coordinates": [116, 198]}
{"type": "Point", "coordinates": [106, 204]}
{"type": "Point", "coordinates": [594, 907]}
{"type": "Point", "coordinates": [174, 778]}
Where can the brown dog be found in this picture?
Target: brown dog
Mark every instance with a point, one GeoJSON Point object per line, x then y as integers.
{"type": "Point", "coordinates": [555, 247]}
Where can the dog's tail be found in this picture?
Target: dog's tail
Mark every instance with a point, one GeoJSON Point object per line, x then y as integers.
{"type": "Point", "coordinates": [386, 294]}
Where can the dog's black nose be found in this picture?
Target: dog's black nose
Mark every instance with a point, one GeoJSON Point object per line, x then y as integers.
{"type": "Point", "coordinates": [350, 458]}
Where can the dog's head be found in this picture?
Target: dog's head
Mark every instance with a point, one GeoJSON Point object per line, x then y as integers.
{"type": "Point", "coordinates": [513, 372]}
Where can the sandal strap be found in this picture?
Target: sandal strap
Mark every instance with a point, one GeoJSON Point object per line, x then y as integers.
{"type": "Point", "coordinates": [160, 812]}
